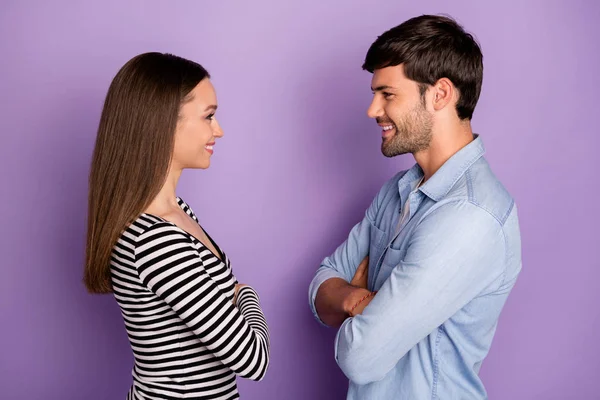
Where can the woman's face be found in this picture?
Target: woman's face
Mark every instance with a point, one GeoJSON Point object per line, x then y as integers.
{"type": "Point", "coordinates": [197, 128]}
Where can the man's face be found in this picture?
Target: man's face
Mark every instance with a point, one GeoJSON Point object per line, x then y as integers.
{"type": "Point", "coordinates": [399, 108]}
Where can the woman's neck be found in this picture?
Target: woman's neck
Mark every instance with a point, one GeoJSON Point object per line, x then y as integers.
{"type": "Point", "coordinates": [166, 201]}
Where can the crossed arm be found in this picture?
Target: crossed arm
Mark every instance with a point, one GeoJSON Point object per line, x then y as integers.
{"type": "Point", "coordinates": [337, 299]}
{"type": "Point", "coordinates": [455, 253]}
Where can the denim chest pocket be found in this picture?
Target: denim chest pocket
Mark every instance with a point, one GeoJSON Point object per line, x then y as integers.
{"type": "Point", "coordinates": [377, 237]}
{"type": "Point", "coordinates": [391, 260]}
{"type": "Point", "coordinates": [393, 256]}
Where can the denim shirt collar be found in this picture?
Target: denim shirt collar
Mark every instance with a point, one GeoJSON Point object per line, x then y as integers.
{"type": "Point", "coordinates": [446, 177]}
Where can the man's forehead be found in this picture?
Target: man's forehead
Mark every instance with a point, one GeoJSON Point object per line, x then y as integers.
{"type": "Point", "coordinates": [388, 77]}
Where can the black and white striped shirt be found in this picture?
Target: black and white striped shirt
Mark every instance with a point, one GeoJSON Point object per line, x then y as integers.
{"type": "Point", "coordinates": [188, 339]}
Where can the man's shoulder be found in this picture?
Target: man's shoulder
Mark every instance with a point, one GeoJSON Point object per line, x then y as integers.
{"type": "Point", "coordinates": [482, 188]}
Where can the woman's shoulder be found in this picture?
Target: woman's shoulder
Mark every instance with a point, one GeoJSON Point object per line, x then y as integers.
{"type": "Point", "coordinates": [148, 226]}
{"type": "Point", "coordinates": [138, 230]}
{"type": "Point", "coordinates": [151, 235]}
{"type": "Point", "coordinates": [153, 228]}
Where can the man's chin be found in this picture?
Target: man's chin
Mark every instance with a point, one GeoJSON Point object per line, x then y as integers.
{"type": "Point", "coordinates": [390, 152]}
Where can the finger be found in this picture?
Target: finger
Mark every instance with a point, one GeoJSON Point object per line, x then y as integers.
{"type": "Point", "coordinates": [364, 264]}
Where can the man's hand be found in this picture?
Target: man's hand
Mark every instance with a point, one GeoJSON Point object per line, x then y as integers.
{"type": "Point", "coordinates": [361, 275]}
{"type": "Point", "coordinates": [336, 299]}
{"type": "Point", "coordinates": [356, 302]}
{"type": "Point", "coordinates": [360, 304]}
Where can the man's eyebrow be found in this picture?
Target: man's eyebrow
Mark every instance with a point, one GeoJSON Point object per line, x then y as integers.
{"type": "Point", "coordinates": [380, 88]}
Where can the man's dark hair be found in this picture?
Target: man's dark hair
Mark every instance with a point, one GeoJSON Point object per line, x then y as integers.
{"type": "Point", "coordinates": [432, 47]}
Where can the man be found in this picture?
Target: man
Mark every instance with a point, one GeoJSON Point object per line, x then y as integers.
{"type": "Point", "coordinates": [431, 264]}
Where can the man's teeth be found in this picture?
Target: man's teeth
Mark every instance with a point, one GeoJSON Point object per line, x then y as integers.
{"type": "Point", "coordinates": [388, 128]}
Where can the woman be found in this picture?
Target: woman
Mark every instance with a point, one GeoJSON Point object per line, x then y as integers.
{"type": "Point", "coordinates": [191, 326]}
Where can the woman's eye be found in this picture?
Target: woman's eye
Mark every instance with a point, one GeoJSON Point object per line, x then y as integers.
{"type": "Point", "coordinates": [210, 116]}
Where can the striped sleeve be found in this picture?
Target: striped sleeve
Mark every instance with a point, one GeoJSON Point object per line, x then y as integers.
{"type": "Point", "coordinates": [169, 265]}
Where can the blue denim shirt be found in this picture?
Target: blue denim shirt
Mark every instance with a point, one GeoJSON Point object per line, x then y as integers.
{"type": "Point", "coordinates": [441, 282]}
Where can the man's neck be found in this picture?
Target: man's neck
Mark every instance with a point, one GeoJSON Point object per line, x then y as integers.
{"type": "Point", "coordinates": [443, 146]}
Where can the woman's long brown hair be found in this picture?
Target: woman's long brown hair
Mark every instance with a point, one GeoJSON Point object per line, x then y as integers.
{"type": "Point", "coordinates": [133, 151]}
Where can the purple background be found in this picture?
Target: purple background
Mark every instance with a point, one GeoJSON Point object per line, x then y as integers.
{"type": "Point", "coordinates": [299, 163]}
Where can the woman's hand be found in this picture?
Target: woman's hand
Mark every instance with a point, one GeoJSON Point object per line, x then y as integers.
{"type": "Point", "coordinates": [237, 289]}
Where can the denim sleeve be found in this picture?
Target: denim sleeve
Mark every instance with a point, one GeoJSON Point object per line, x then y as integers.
{"type": "Point", "coordinates": [346, 258]}
{"type": "Point", "coordinates": [455, 253]}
